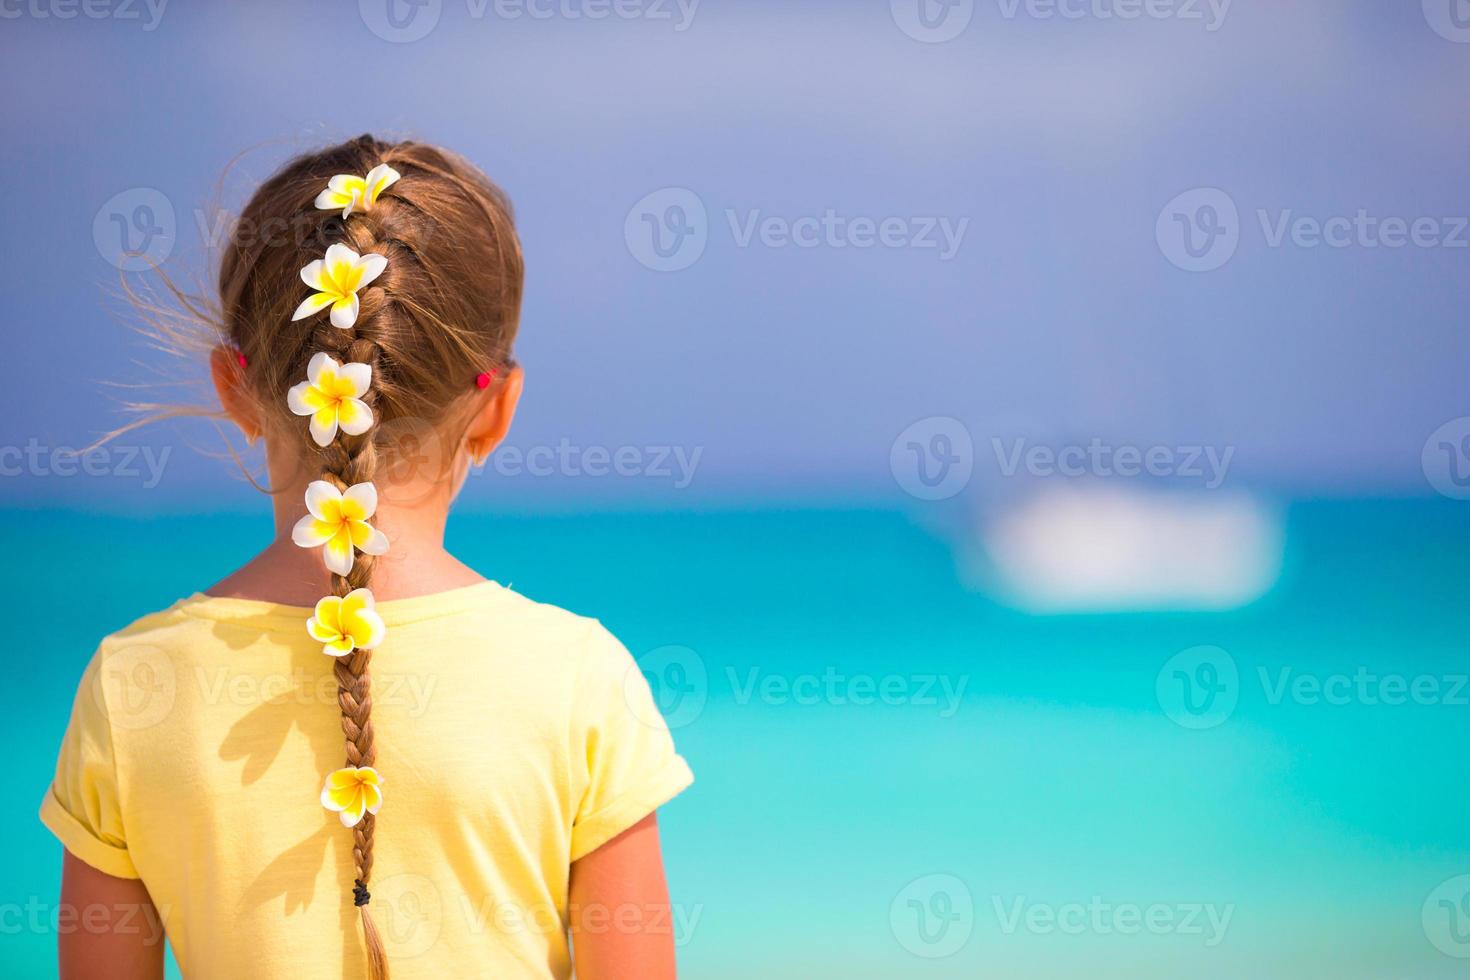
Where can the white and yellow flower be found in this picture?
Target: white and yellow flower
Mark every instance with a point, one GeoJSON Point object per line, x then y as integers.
{"type": "Point", "coordinates": [336, 278]}
{"type": "Point", "coordinates": [353, 791]}
{"type": "Point", "coordinates": [337, 523]}
{"type": "Point", "coordinates": [332, 396]}
{"type": "Point", "coordinates": [346, 623]}
{"type": "Point", "coordinates": [353, 193]}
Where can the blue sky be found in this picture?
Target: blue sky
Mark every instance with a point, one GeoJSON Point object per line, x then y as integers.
{"type": "Point", "coordinates": [1049, 147]}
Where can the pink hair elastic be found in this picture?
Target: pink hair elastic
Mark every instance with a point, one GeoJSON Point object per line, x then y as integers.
{"type": "Point", "coordinates": [483, 379]}
{"type": "Point", "coordinates": [240, 358]}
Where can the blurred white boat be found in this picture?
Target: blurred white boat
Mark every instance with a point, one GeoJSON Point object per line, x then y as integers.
{"type": "Point", "coordinates": [1098, 548]}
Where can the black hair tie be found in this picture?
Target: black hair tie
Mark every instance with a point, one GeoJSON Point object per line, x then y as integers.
{"type": "Point", "coordinates": [360, 894]}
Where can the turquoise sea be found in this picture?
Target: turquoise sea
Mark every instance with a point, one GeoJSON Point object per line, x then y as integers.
{"type": "Point", "coordinates": [898, 778]}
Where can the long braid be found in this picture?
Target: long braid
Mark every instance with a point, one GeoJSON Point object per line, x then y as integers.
{"type": "Point", "coordinates": [350, 460]}
{"type": "Point", "coordinates": [437, 317]}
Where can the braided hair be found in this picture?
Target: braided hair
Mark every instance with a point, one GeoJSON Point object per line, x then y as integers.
{"type": "Point", "coordinates": [442, 310]}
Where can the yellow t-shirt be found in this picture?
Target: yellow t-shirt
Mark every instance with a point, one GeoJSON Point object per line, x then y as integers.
{"type": "Point", "coordinates": [513, 738]}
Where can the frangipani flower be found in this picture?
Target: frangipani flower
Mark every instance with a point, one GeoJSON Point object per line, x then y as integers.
{"type": "Point", "coordinates": [346, 623]}
{"type": "Point", "coordinates": [353, 791]}
{"type": "Point", "coordinates": [351, 192]}
{"type": "Point", "coordinates": [336, 279]}
{"type": "Point", "coordinates": [337, 522]}
{"type": "Point", "coordinates": [332, 396]}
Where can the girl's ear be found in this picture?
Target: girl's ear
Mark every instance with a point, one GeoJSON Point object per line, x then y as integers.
{"type": "Point", "coordinates": [493, 416]}
{"type": "Point", "coordinates": [234, 397]}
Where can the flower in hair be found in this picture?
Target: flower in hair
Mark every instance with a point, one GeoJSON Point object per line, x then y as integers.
{"type": "Point", "coordinates": [332, 396]}
{"type": "Point", "coordinates": [336, 278]}
{"type": "Point", "coordinates": [346, 623]}
{"type": "Point", "coordinates": [352, 792]}
{"type": "Point", "coordinates": [353, 193]}
{"type": "Point", "coordinates": [337, 523]}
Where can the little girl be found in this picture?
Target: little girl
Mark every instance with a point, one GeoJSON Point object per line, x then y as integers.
{"type": "Point", "coordinates": [226, 772]}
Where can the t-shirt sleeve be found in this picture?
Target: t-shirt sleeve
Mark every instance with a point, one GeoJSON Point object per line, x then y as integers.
{"type": "Point", "coordinates": [624, 762]}
{"type": "Point", "coordinates": [82, 807]}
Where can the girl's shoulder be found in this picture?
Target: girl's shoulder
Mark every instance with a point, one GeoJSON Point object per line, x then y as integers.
{"type": "Point", "coordinates": [483, 614]}
{"type": "Point", "coordinates": [482, 642]}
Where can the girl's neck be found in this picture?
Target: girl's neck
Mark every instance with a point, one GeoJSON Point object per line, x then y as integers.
{"type": "Point", "coordinates": [413, 517]}
{"type": "Point", "coordinates": [283, 573]}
